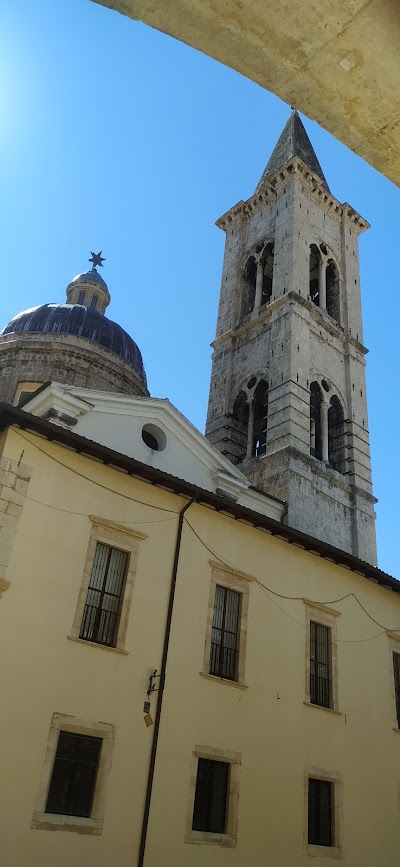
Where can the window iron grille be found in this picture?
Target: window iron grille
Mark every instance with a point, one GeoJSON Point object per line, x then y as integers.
{"type": "Point", "coordinates": [320, 665]}
{"type": "Point", "coordinates": [224, 652]}
{"type": "Point", "coordinates": [104, 596]}
{"type": "Point", "coordinates": [396, 672]}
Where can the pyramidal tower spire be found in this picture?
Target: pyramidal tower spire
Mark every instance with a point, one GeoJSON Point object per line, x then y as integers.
{"type": "Point", "coordinates": [287, 399]}
{"type": "Point", "coordinates": [293, 142]}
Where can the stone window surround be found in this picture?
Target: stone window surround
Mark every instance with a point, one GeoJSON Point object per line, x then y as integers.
{"type": "Point", "coordinates": [239, 582]}
{"type": "Point", "coordinates": [116, 536]}
{"type": "Point", "coordinates": [229, 839]}
{"type": "Point", "coordinates": [14, 482]}
{"type": "Point", "coordinates": [327, 616]}
{"type": "Point", "coordinates": [80, 824]}
{"type": "Point", "coordinates": [394, 647]}
{"type": "Point", "coordinates": [336, 778]}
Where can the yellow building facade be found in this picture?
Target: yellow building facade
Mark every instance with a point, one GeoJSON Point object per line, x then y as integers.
{"type": "Point", "coordinates": [284, 748]}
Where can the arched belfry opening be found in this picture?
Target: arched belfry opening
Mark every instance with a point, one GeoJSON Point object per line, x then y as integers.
{"type": "Point", "coordinates": [324, 286]}
{"type": "Point", "coordinates": [260, 412]}
{"type": "Point", "coordinates": [315, 259]}
{"type": "Point", "coordinates": [250, 417]}
{"type": "Point", "coordinates": [332, 291]}
{"type": "Point", "coordinates": [267, 273]}
{"type": "Point", "coordinates": [240, 416]}
{"type": "Point", "coordinates": [336, 438]}
{"type": "Point", "coordinates": [249, 290]}
{"type": "Point", "coordinates": [315, 421]}
{"type": "Point", "coordinates": [258, 278]}
{"type": "Point", "coordinates": [327, 439]}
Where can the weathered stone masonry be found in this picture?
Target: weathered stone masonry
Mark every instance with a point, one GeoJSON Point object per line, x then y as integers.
{"type": "Point", "coordinates": [14, 482]}
{"type": "Point", "coordinates": [288, 394]}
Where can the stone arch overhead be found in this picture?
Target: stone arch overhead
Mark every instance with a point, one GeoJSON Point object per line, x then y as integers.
{"type": "Point", "coordinates": [333, 389]}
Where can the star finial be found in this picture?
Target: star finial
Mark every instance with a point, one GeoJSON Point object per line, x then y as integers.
{"type": "Point", "coordinates": [97, 259]}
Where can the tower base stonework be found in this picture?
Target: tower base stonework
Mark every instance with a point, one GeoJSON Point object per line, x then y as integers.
{"type": "Point", "coordinates": [319, 500]}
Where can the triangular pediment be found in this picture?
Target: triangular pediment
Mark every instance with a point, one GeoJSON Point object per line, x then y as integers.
{"type": "Point", "coordinates": [152, 431]}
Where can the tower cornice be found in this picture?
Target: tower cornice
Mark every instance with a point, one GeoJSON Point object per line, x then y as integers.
{"type": "Point", "coordinates": [342, 212]}
{"type": "Point", "coordinates": [290, 298]}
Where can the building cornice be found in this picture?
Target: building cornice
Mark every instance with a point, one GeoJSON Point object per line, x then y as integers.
{"type": "Point", "coordinates": [14, 417]}
{"type": "Point", "coordinates": [343, 212]}
{"type": "Point", "coordinates": [321, 317]}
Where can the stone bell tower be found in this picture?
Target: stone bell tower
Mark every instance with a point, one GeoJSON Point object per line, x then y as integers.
{"type": "Point", "coordinates": [288, 397]}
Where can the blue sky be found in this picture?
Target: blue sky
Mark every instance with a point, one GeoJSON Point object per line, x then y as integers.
{"type": "Point", "coordinates": [116, 137]}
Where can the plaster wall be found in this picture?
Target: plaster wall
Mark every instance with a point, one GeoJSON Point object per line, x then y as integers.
{"type": "Point", "coordinates": [266, 721]}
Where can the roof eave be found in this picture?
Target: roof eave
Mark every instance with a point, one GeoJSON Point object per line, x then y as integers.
{"type": "Point", "coordinates": [13, 416]}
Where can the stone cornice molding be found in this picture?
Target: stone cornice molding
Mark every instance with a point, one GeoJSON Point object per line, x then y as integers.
{"type": "Point", "coordinates": [342, 212]}
{"type": "Point", "coordinates": [326, 472]}
{"type": "Point", "coordinates": [320, 317]}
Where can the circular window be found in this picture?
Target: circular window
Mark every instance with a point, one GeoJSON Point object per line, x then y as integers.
{"type": "Point", "coordinates": [325, 385]}
{"type": "Point", "coordinates": [154, 437]}
{"type": "Point", "coordinates": [251, 383]}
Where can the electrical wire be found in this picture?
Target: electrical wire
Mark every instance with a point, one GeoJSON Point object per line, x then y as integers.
{"type": "Point", "coordinates": [269, 591]}
{"type": "Point", "coordinates": [305, 627]}
{"type": "Point", "coordinates": [229, 566]}
{"type": "Point", "coordinates": [85, 514]}
{"type": "Point", "coordinates": [93, 482]}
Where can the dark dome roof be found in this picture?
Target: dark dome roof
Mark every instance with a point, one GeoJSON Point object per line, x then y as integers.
{"type": "Point", "coordinates": [82, 322]}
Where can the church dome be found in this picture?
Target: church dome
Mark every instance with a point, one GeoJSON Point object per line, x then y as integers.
{"type": "Point", "coordinates": [72, 343]}
{"type": "Point", "coordinates": [80, 321]}
{"type": "Point", "coordinates": [91, 276]}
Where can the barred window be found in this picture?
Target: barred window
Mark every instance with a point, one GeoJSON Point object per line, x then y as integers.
{"type": "Point", "coordinates": [104, 596]}
{"type": "Point", "coordinates": [224, 650]}
{"type": "Point", "coordinates": [396, 672]}
{"type": "Point", "coordinates": [321, 813]}
{"type": "Point", "coordinates": [73, 779]}
{"type": "Point", "coordinates": [320, 664]}
{"type": "Point", "coordinates": [211, 797]}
